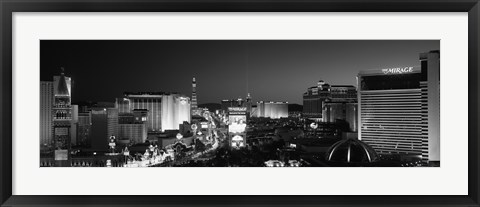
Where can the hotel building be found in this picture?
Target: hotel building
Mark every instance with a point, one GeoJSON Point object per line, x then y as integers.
{"type": "Point", "coordinates": [132, 128]}
{"type": "Point", "coordinates": [150, 101]}
{"type": "Point", "coordinates": [239, 102]}
{"type": "Point", "coordinates": [104, 123]}
{"type": "Point", "coordinates": [164, 110]}
{"type": "Point", "coordinates": [346, 111]}
{"type": "Point", "coordinates": [315, 98]}
{"type": "Point", "coordinates": [62, 119]}
{"type": "Point", "coordinates": [46, 113]}
{"type": "Point", "coordinates": [399, 109]}
{"type": "Point", "coordinates": [194, 106]}
{"type": "Point", "coordinates": [175, 111]}
{"type": "Point", "coordinates": [84, 126]}
{"type": "Point", "coordinates": [273, 110]}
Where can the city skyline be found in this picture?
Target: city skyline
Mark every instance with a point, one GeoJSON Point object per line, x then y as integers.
{"type": "Point", "coordinates": [151, 118]}
{"type": "Point", "coordinates": [270, 70]}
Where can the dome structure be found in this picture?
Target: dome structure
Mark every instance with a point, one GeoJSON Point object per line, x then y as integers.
{"type": "Point", "coordinates": [351, 151]}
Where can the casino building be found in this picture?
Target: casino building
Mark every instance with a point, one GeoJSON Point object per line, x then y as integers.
{"type": "Point", "coordinates": [316, 97]}
{"type": "Point", "coordinates": [165, 111]}
{"type": "Point", "coordinates": [399, 109]}
{"type": "Point", "coordinates": [270, 109]}
{"type": "Point", "coordinates": [62, 118]}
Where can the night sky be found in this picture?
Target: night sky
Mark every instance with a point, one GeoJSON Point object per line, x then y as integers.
{"type": "Point", "coordinates": [271, 70]}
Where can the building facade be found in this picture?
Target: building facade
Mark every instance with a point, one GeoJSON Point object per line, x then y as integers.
{"type": "Point", "coordinates": [62, 118]}
{"type": "Point", "coordinates": [273, 110]}
{"type": "Point", "coordinates": [83, 128]}
{"type": "Point", "coordinates": [399, 109]}
{"type": "Point", "coordinates": [132, 127]}
{"type": "Point", "coordinates": [74, 125]}
{"type": "Point", "coordinates": [175, 111]}
{"type": "Point", "coordinates": [165, 111]}
{"type": "Point", "coordinates": [149, 101]}
{"type": "Point", "coordinates": [341, 111]}
{"type": "Point", "coordinates": [112, 120]}
{"type": "Point", "coordinates": [313, 100]}
{"type": "Point", "coordinates": [227, 103]}
{"type": "Point", "coordinates": [99, 129]}
{"type": "Point", "coordinates": [430, 84]}
{"type": "Point", "coordinates": [133, 132]}
{"type": "Point", "coordinates": [46, 113]}
{"type": "Point", "coordinates": [316, 97]}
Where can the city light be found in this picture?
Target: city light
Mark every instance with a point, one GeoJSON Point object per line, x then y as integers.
{"type": "Point", "coordinates": [204, 114]}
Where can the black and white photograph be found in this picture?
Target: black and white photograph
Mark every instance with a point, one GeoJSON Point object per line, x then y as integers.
{"type": "Point", "coordinates": [239, 103]}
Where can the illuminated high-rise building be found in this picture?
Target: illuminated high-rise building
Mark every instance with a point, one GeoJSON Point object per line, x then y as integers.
{"type": "Point", "coordinates": [399, 109]}
{"type": "Point", "coordinates": [123, 105]}
{"type": "Point", "coordinates": [232, 103]}
{"type": "Point", "coordinates": [239, 102]}
{"type": "Point", "coordinates": [194, 104]}
{"type": "Point", "coordinates": [104, 124]}
{"type": "Point", "coordinates": [83, 128]}
{"type": "Point", "coordinates": [62, 118]}
{"type": "Point", "coordinates": [273, 110]}
{"type": "Point", "coordinates": [74, 125]}
{"type": "Point", "coordinates": [315, 98]}
{"type": "Point", "coordinates": [334, 111]}
{"type": "Point", "coordinates": [132, 128]}
{"type": "Point", "coordinates": [248, 104]}
{"type": "Point", "coordinates": [175, 111]}
{"type": "Point", "coordinates": [46, 113]}
{"type": "Point", "coordinates": [341, 105]}
{"type": "Point", "coordinates": [99, 129]}
{"type": "Point", "coordinates": [145, 100]}
{"type": "Point", "coordinates": [165, 111]}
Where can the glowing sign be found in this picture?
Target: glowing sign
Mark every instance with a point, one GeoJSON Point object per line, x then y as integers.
{"type": "Point", "coordinates": [397, 70]}
{"type": "Point", "coordinates": [237, 108]}
{"type": "Point", "coordinates": [237, 141]}
{"type": "Point", "coordinates": [237, 119]}
{"type": "Point", "coordinates": [237, 113]}
{"type": "Point", "coordinates": [237, 138]}
{"type": "Point", "coordinates": [236, 128]}
{"type": "Point", "coordinates": [194, 127]}
{"type": "Point", "coordinates": [61, 154]}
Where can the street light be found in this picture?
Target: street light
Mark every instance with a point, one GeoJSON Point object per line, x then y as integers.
{"type": "Point", "coordinates": [314, 126]}
{"type": "Point", "coordinates": [179, 136]}
{"type": "Point", "coordinates": [146, 155]}
{"type": "Point", "coordinates": [126, 153]}
{"type": "Point", "coordinates": [152, 148]}
{"type": "Point", "coordinates": [112, 144]}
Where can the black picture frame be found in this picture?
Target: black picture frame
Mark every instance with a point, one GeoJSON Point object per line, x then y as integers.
{"type": "Point", "coordinates": [7, 8]}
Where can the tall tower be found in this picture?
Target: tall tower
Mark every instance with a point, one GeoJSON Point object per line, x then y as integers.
{"type": "Point", "coordinates": [62, 117]}
{"type": "Point", "coordinates": [194, 96]}
{"type": "Point", "coordinates": [248, 104]}
{"type": "Point", "coordinates": [46, 117]}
